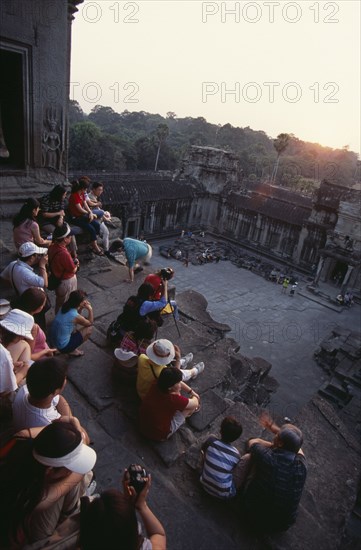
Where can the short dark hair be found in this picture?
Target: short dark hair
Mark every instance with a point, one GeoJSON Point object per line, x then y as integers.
{"type": "Point", "coordinates": [31, 299]}
{"type": "Point", "coordinates": [46, 376]}
{"type": "Point", "coordinates": [168, 377]}
{"type": "Point", "coordinates": [231, 429]}
{"type": "Point", "coordinates": [145, 291]}
{"type": "Point", "coordinates": [291, 437]}
{"type": "Point", "coordinates": [97, 184]}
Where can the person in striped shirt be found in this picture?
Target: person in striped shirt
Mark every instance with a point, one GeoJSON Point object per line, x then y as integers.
{"type": "Point", "coordinates": [221, 460]}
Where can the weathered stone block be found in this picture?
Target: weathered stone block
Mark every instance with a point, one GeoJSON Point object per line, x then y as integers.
{"type": "Point", "coordinates": [212, 405]}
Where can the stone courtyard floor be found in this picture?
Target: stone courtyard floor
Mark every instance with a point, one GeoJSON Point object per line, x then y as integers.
{"type": "Point", "coordinates": [266, 323]}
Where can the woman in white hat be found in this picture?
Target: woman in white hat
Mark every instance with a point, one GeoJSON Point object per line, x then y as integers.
{"type": "Point", "coordinates": [16, 329]}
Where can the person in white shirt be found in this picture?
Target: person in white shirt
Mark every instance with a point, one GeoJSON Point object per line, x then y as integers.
{"type": "Point", "coordinates": [40, 401]}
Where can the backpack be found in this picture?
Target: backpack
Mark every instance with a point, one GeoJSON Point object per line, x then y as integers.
{"type": "Point", "coordinates": [128, 320]}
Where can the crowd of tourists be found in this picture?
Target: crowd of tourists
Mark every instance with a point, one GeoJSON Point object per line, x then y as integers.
{"type": "Point", "coordinates": [47, 497]}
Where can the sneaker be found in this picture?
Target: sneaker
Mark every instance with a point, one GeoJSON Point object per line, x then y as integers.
{"type": "Point", "coordinates": [186, 360]}
{"type": "Point", "coordinates": [90, 490]}
{"type": "Point", "coordinates": [199, 368]}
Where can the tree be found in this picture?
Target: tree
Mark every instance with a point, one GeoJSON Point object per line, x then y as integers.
{"type": "Point", "coordinates": [162, 134]}
{"type": "Point", "coordinates": [84, 148]}
{"type": "Point", "coordinates": [75, 112]}
{"type": "Point", "coordinates": [280, 144]}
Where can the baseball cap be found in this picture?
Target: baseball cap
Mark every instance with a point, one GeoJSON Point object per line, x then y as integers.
{"type": "Point", "coordinates": [28, 249]}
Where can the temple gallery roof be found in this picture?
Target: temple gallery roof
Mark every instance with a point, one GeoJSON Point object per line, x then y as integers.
{"type": "Point", "coordinates": [147, 189]}
{"type": "Point", "coordinates": [286, 211]}
{"type": "Point", "coordinates": [274, 202]}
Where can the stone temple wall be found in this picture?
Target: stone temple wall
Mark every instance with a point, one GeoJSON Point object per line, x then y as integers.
{"type": "Point", "coordinates": [35, 72]}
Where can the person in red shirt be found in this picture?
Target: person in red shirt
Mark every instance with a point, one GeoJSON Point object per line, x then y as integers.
{"type": "Point", "coordinates": [157, 281]}
{"type": "Point", "coordinates": [164, 409]}
{"type": "Point", "coordinates": [62, 265]}
{"type": "Point", "coordinates": [82, 216]}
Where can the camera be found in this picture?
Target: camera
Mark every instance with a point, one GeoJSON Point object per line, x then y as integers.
{"type": "Point", "coordinates": [166, 273]}
{"type": "Point", "coordinates": [137, 475]}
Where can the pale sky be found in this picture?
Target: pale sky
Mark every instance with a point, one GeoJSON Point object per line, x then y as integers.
{"type": "Point", "coordinates": [277, 66]}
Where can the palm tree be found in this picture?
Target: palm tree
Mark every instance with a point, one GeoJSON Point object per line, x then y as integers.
{"type": "Point", "coordinates": [162, 134]}
{"type": "Point", "coordinates": [280, 144]}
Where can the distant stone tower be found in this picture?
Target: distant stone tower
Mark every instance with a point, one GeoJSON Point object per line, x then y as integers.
{"type": "Point", "coordinates": [35, 47]}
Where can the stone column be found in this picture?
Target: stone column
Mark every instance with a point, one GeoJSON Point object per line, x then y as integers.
{"type": "Point", "coordinates": [319, 269]}
{"type": "Point", "coordinates": [346, 278]}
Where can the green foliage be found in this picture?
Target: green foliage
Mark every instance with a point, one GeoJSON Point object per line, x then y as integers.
{"type": "Point", "coordinates": [112, 141]}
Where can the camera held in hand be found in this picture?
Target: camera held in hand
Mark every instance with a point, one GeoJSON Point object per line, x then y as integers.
{"type": "Point", "coordinates": [137, 477]}
{"type": "Point", "coordinates": [167, 273]}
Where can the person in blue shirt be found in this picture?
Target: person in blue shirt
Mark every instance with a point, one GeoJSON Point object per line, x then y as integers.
{"type": "Point", "coordinates": [64, 334]}
{"type": "Point", "coordinates": [134, 250]}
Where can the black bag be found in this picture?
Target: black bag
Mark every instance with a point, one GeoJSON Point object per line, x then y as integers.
{"type": "Point", "coordinates": [115, 332]}
{"type": "Point", "coordinates": [53, 282]}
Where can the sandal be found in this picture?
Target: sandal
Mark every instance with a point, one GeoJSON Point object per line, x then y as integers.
{"type": "Point", "coordinates": [98, 252]}
{"type": "Point", "coordinates": [76, 353]}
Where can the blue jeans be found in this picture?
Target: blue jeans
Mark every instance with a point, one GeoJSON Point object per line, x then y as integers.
{"type": "Point", "coordinates": [92, 227]}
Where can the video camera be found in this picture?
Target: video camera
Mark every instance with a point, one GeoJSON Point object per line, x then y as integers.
{"type": "Point", "coordinates": [166, 273]}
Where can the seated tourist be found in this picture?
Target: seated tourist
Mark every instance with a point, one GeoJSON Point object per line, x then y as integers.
{"type": "Point", "coordinates": [33, 301]}
{"type": "Point", "coordinates": [164, 408]}
{"type": "Point", "coordinates": [41, 481]}
{"type": "Point", "coordinates": [26, 229]}
{"type": "Point", "coordinates": [20, 273]}
{"type": "Point", "coordinates": [219, 476]}
{"type": "Point", "coordinates": [94, 203]}
{"type": "Point", "coordinates": [82, 216]}
{"type": "Point", "coordinates": [64, 334]}
{"type": "Point", "coordinates": [110, 521]}
{"type": "Point", "coordinates": [11, 374]}
{"type": "Point", "coordinates": [158, 355]}
{"type": "Point", "coordinates": [131, 346]}
{"type": "Point", "coordinates": [39, 402]}
{"type": "Point", "coordinates": [52, 209]}
{"type": "Point", "coordinates": [273, 492]}
{"type": "Point", "coordinates": [139, 307]}
{"type": "Point", "coordinates": [16, 329]}
{"type": "Point", "coordinates": [52, 214]}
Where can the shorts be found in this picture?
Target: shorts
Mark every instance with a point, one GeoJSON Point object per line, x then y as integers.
{"type": "Point", "coordinates": [146, 259]}
{"type": "Point", "coordinates": [176, 422]}
{"type": "Point", "coordinates": [76, 339]}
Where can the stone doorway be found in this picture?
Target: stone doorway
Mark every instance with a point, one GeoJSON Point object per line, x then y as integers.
{"type": "Point", "coordinates": [12, 108]}
{"type": "Point", "coordinates": [338, 273]}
